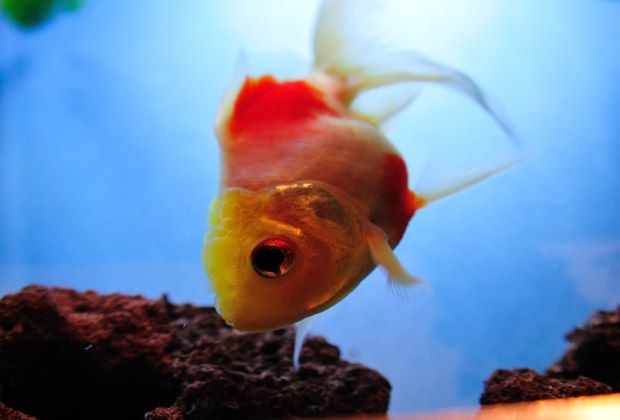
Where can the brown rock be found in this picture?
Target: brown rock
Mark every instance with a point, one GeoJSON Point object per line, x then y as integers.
{"type": "Point", "coordinates": [594, 350]}
{"type": "Point", "coordinates": [169, 413]}
{"type": "Point", "coordinates": [7, 413]}
{"type": "Point", "coordinates": [507, 386]}
{"type": "Point", "coordinates": [65, 354]}
{"type": "Point", "coordinates": [590, 366]}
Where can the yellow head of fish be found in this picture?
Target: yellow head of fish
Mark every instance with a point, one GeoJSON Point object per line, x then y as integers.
{"type": "Point", "coordinates": [280, 254]}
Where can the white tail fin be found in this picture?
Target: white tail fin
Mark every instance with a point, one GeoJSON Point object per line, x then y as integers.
{"type": "Point", "coordinates": [346, 46]}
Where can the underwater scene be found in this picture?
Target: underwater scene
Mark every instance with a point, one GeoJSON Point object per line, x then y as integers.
{"type": "Point", "coordinates": [435, 185]}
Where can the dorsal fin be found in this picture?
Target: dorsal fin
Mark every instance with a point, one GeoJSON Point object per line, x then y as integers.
{"type": "Point", "coordinates": [264, 106]}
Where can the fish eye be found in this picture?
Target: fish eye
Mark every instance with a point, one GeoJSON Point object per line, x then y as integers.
{"type": "Point", "coordinates": [273, 257]}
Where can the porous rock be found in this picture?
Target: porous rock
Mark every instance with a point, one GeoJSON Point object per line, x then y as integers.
{"type": "Point", "coordinates": [507, 386]}
{"type": "Point", "coordinates": [590, 366]}
{"type": "Point", "coordinates": [65, 354]}
{"type": "Point", "coordinates": [7, 413]}
{"type": "Point", "coordinates": [594, 350]}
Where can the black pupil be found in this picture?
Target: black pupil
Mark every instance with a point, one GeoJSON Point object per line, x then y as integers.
{"type": "Point", "coordinates": [272, 258]}
{"type": "Point", "coordinates": [269, 260]}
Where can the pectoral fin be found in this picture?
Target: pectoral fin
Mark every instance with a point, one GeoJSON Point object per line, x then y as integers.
{"type": "Point", "coordinates": [382, 255]}
{"type": "Point", "coordinates": [462, 181]}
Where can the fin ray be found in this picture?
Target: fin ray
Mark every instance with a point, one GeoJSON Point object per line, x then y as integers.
{"type": "Point", "coordinates": [382, 255]}
{"type": "Point", "coordinates": [453, 187]}
{"type": "Point", "coordinates": [349, 45]}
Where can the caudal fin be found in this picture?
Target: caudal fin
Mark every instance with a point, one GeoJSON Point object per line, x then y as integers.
{"type": "Point", "coordinates": [348, 44]}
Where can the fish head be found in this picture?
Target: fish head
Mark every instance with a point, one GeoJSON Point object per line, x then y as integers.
{"type": "Point", "coordinates": [276, 256]}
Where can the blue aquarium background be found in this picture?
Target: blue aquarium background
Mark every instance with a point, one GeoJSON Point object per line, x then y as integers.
{"type": "Point", "coordinates": [108, 163]}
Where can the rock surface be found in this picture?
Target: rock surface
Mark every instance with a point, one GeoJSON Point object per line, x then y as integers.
{"type": "Point", "coordinates": [590, 366]}
{"type": "Point", "coordinates": [507, 386]}
{"type": "Point", "coordinates": [7, 413]}
{"type": "Point", "coordinates": [65, 354]}
{"type": "Point", "coordinates": [594, 350]}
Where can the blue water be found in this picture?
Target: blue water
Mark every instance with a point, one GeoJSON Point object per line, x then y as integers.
{"type": "Point", "coordinates": [108, 163]}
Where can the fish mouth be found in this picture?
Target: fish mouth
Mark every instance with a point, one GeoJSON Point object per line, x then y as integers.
{"type": "Point", "coordinates": [245, 322]}
{"type": "Point", "coordinates": [218, 309]}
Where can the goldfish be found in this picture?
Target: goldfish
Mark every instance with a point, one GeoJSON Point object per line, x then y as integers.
{"type": "Point", "coordinates": [313, 195]}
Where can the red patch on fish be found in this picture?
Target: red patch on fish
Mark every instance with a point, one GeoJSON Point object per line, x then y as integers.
{"type": "Point", "coordinates": [400, 201]}
{"type": "Point", "coordinates": [265, 106]}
